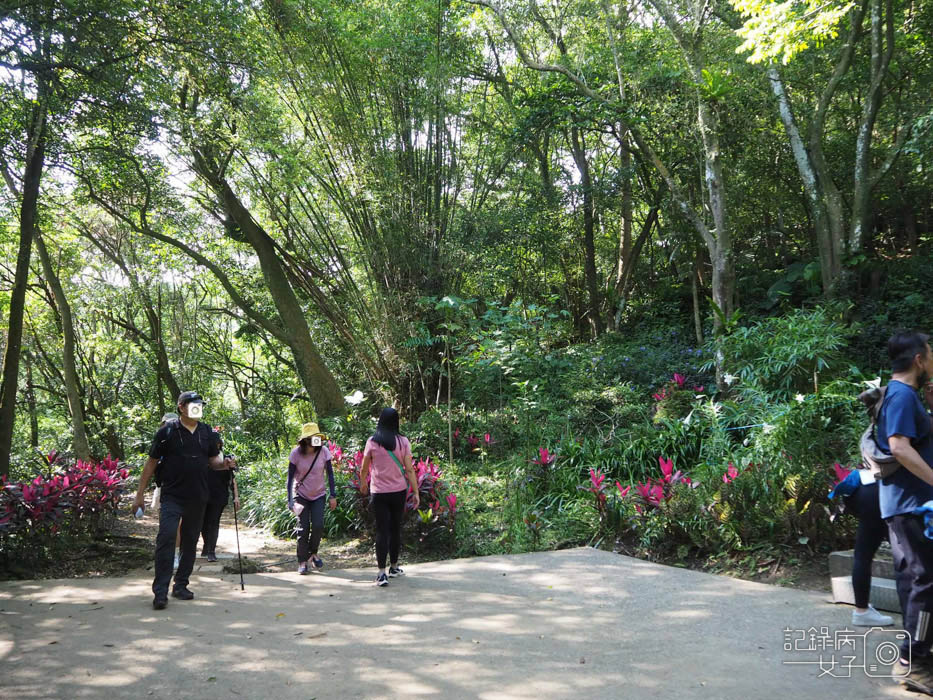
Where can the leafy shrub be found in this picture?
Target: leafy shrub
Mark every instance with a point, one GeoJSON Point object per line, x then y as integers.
{"type": "Point", "coordinates": [675, 399]}
{"type": "Point", "coordinates": [71, 501]}
{"type": "Point", "coordinates": [641, 355]}
{"type": "Point", "coordinates": [719, 507]}
{"type": "Point", "coordinates": [784, 355]}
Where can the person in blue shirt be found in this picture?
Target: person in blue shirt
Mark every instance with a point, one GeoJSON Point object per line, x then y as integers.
{"type": "Point", "coordinates": [904, 430]}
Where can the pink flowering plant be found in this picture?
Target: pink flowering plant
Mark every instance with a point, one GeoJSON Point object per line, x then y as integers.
{"type": "Point", "coordinates": [71, 500]}
{"type": "Point", "coordinates": [438, 503]}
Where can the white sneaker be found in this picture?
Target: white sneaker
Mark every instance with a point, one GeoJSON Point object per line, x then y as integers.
{"type": "Point", "coordinates": [871, 618]}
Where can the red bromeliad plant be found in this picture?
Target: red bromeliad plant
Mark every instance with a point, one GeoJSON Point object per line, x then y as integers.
{"type": "Point", "coordinates": [544, 458]}
{"type": "Point", "coordinates": [730, 475]}
{"type": "Point", "coordinates": [597, 487]}
{"type": "Point", "coordinates": [77, 495]}
{"type": "Point", "coordinates": [654, 492]}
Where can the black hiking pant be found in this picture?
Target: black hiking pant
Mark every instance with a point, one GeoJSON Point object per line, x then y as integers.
{"type": "Point", "coordinates": [210, 529]}
{"type": "Point", "coordinates": [913, 565]}
{"type": "Point", "coordinates": [389, 507]}
{"type": "Point", "coordinates": [191, 515]}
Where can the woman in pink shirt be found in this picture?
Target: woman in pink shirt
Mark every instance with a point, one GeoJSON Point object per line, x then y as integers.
{"type": "Point", "coordinates": [307, 464]}
{"type": "Point", "coordinates": [387, 456]}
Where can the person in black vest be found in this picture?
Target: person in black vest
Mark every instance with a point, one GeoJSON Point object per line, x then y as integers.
{"type": "Point", "coordinates": [187, 449]}
{"type": "Point", "coordinates": [218, 493]}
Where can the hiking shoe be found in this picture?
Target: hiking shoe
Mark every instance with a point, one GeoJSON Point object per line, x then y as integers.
{"type": "Point", "coordinates": [395, 571]}
{"type": "Point", "coordinates": [871, 618]}
{"type": "Point", "coordinates": [159, 603]}
{"type": "Point", "coordinates": [919, 679]}
{"type": "Point", "coordinates": [316, 562]}
{"type": "Point", "coordinates": [212, 557]}
{"type": "Point", "coordinates": [182, 594]}
{"type": "Point", "coordinates": [303, 568]}
{"type": "Point", "coordinates": [382, 580]}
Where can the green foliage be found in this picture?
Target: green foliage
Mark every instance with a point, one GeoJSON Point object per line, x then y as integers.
{"type": "Point", "coordinates": [782, 30]}
{"type": "Point", "coordinates": [786, 354]}
{"type": "Point", "coordinates": [422, 193]}
{"type": "Point", "coordinates": [264, 498]}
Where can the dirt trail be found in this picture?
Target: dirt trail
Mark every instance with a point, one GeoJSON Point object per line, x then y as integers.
{"type": "Point", "coordinates": [579, 623]}
{"type": "Point", "coordinates": [128, 549]}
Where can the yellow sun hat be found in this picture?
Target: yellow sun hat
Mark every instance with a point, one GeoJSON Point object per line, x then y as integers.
{"type": "Point", "coordinates": [310, 430]}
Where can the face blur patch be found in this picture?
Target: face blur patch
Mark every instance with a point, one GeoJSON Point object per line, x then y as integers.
{"type": "Point", "coordinates": [195, 410]}
{"type": "Point", "coordinates": [316, 441]}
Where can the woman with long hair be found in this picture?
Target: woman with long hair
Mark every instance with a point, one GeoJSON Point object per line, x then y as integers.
{"type": "Point", "coordinates": [307, 464]}
{"type": "Point", "coordinates": [387, 459]}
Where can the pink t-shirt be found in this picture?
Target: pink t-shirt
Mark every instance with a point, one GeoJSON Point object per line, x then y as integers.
{"type": "Point", "coordinates": [386, 476]}
{"type": "Point", "coordinates": [312, 487]}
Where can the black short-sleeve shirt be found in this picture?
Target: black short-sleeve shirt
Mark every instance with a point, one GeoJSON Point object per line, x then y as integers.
{"type": "Point", "coordinates": [184, 456]}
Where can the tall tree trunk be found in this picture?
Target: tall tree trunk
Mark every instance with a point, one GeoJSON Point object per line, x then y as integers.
{"type": "Point", "coordinates": [31, 403]}
{"type": "Point", "coordinates": [624, 257]}
{"type": "Point", "coordinates": [157, 344]}
{"type": "Point", "coordinates": [688, 32]}
{"type": "Point", "coordinates": [827, 245]}
{"type": "Point", "coordinates": [589, 221]}
{"type": "Point", "coordinates": [29, 209]}
{"type": "Point", "coordinates": [882, 48]}
{"type": "Point", "coordinates": [72, 389]}
{"type": "Point", "coordinates": [695, 289]}
{"type": "Point", "coordinates": [831, 234]}
{"type": "Point", "coordinates": [624, 254]}
{"type": "Point", "coordinates": [317, 380]}
{"type": "Point", "coordinates": [723, 277]}
{"type": "Point", "coordinates": [624, 285]}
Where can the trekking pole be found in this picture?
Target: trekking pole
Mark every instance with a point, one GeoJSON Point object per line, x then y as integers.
{"type": "Point", "coordinates": [236, 527]}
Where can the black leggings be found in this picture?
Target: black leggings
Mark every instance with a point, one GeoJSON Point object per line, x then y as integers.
{"type": "Point", "coordinates": [210, 529]}
{"type": "Point", "coordinates": [389, 507]}
{"type": "Point", "coordinates": [872, 531]}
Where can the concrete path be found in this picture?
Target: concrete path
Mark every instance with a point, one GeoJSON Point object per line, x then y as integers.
{"type": "Point", "coordinates": [572, 624]}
